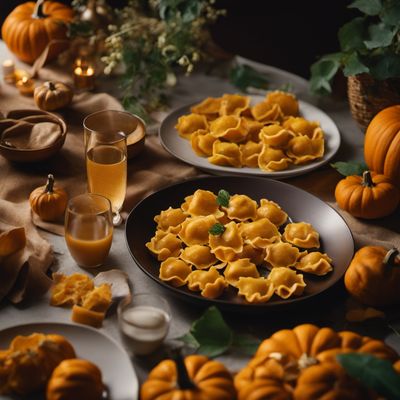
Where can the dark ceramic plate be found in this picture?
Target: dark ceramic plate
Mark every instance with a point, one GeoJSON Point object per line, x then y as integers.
{"type": "Point", "coordinates": [335, 235]}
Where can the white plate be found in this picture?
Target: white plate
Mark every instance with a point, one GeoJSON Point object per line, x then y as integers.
{"type": "Point", "coordinates": [182, 149]}
{"type": "Point", "coordinates": [89, 344]}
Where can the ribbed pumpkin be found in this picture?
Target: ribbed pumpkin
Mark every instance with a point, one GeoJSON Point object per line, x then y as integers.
{"type": "Point", "coordinates": [373, 276]}
{"type": "Point", "coordinates": [382, 144]}
{"type": "Point", "coordinates": [52, 95]}
{"type": "Point", "coordinates": [30, 27]}
{"type": "Point", "coordinates": [194, 378]}
{"type": "Point", "coordinates": [296, 350]}
{"type": "Point", "coordinates": [370, 196]}
{"type": "Point", "coordinates": [75, 379]}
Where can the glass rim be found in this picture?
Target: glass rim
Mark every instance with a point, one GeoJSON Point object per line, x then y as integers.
{"type": "Point", "coordinates": [127, 113]}
{"type": "Point", "coordinates": [109, 209]}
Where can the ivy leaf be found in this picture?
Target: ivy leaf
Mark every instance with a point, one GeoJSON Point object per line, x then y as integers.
{"type": "Point", "coordinates": [385, 65]}
{"type": "Point", "coordinates": [244, 76]}
{"type": "Point", "coordinates": [223, 198]}
{"type": "Point", "coordinates": [247, 344]}
{"type": "Point", "coordinates": [217, 229]}
{"type": "Point", "coordinates": [323, 71]}
{"type": "Point", "coordinates": [188, 9]}
{"type": "Point", "coordinates": [351, 35]}
{"type": "Point", "coordinates": [350, 168]}
{"type": "Point", "coordinates": [369, 7]}
{"type": "Point", "coordinates": [353, 65]}
{"type": "Point", "coordinates": [380, 35]}
{"type": "Point", "coordinates": [390, 14]}
{"type": "Point", "coordinates": [372, 372]}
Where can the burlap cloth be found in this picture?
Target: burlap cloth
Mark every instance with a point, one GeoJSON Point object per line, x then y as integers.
{"type": "Point", "coordinates": [152, 169]}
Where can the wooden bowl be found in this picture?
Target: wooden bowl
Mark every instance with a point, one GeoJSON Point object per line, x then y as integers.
{"type": "Point", "coordinates": [33, 155]}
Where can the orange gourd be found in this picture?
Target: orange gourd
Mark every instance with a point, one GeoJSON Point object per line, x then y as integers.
{"type": "Point", "coordinates": [52, 95]}
{"type": "Point", "coordinates": [49, 202]}
{"type": "Point", "coordinates": [194, 378]}
{"type": "Point", "coordinates": [75, 379]}
{"type": "Point", "coordinates": [370, 196]}
{"type": "Point", "coordinates": [30, 27]}
{"type": "Point", "coordinates": [373, 276]}
{"type": "Point", "coordinates": [281, 360]}
{"type": "Point", "coordinates": [382, 144]}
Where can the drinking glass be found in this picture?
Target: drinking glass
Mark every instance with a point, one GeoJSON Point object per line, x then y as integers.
{"type": "Point", "coordinates": [89, 229]}
{"type": "Point", "coordinates": [106, 159]}
{"type": "Point", "coordinates": [143, 321]}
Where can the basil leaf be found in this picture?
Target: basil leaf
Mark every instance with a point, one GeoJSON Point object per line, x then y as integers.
{"type": "Point", "coordinates": [380, 35]}
{"type": "Point", "coordinates": [353, 66]}
{"type": "Point", "coordinates": [350, 168]}
{"type": "Point", "coordinates": [217, 229]}
{"type": "Point", "coordinates": [212, 333]}
{"type": "Point", "coordinates": [247, 344]}
{"type": "Point", "coordinates": [351, 35]}
{"type": "Point", "coordinates": [243, 77]}
{"type": "Point", "coordinates": [369, 7]}
{"type": "Point", "coordinates": [372, 372]}
{"type": "Point", "coordinates": [223, 198]}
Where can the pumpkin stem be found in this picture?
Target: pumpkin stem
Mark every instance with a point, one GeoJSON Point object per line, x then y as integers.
{"type": "Point", "coordinates": [49, 184]}
{"type": "Point", "coordinates": [38, 10]}
{"type": "Point", "coordinates": [183, 379]}
{"type": "Point", "coordinates": [390, 257]}
{"type": "Point", "coordinates": [367, 179]}
{"type": "Point", "coordinates": [50, 85]}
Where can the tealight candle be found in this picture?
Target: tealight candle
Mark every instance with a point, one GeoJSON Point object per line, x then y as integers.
{"type": "Point", "coordinates": [84, 78]}
{"type": "Point", "coordinates": [21, 73]}
{"type": "Point", "coordinates": [26, 86]}
{"type": "Point", "coordinates": [9, 71]}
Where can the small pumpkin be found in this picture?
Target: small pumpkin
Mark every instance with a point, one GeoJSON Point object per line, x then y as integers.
{"type": "Point", "coordinates": [52, 95]}
{"type": "Point", "coordinates": [370, 196]}
{"type": "Point", "coordinates": [373, 276]}
{"type": "Point", "coordinates": [30, 27]}
{"type": "Point", "coordinates": [49, 202]}
{"type": "Point", "coordinates": [382, 144]}
{"type": "Point", "coordinates": [75, 379]}
{"type": "Point", "coordinates": [194, 378]}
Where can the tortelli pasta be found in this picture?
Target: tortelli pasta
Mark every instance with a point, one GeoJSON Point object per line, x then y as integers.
{"type": "Point", "coordinates": [215, 241]}
{"type": "Point", "coordinates": [270, 135]}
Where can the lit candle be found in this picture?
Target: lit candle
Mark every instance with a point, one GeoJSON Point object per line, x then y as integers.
{"type": "Point", "coordinates": [26, 86]}
{"type": "Point", "coordinates": [9, 71]}
{"type": "Point", "coordinates": [21, 73]}
{"type": "Point", "coordinates": [84, 77]}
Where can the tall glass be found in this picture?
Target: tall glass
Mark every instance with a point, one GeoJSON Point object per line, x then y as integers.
{"type": "Point", "coordinates": [89, 229]}
{"type": "Point", "coordinates": [106, 162]}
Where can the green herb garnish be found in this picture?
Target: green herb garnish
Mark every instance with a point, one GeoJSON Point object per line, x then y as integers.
{"type": "Point", "coordinates": [223, 198]}
{"type": "Point", "coordinates": [350, 168]}
{"type": "Point", "coordinates": [244, 77]}
{"type": "Point", "coordinates": [217, 229]}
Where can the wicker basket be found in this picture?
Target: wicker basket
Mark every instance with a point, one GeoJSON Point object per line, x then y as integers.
{"type": "Point", "coordinates": [367, 96]}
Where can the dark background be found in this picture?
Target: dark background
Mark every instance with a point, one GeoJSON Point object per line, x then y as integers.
{"type": "Point", "coordinates": [287, 34]}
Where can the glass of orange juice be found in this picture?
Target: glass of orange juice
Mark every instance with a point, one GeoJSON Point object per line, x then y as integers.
{"type": "Point", "coordinates": [106, 160]}
{"type": "Point", "coordinates": [89, 229]}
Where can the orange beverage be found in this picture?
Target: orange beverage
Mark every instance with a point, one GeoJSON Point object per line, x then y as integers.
{"type": "Point", "coordinates": [106, 170]}
{"type": "Point", "coordinates": [89, 229]}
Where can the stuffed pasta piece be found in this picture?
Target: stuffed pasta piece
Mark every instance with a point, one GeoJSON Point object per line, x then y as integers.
{"type": "Point", "coordinates": [315, 263]}
{"type": "Point", "coordinates": [227, 245]}
{"type": "Point", "coordinates": [164, 245]}
{"type": "Point", "coordinates": [198, 256]}
{"type": "Point", "coordinates": [240, 268]}
{"type": "Point", "coordinates": [188, 124]}
{"type": "Point", "coordinates": [301, 234]}
{"type": "Point", "coordinates": [175, 271]}
{"type": "Point", "coordinates": [210, 283]}
{"type": "Point", "coordinates": [194, 230]}
{"type": "Point", "coordinates": [286, 282]}
{"type": "Point", "coordinates": [255, 290]}
{"type": "Point", "coordinates": [202, 203]}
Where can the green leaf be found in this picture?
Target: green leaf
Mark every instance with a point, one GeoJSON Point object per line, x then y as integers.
{"type": "Point", "coordinates": [369, 7]}
{"type": "Point", "coordinates": [385, 65]}
{"type": "Point", "coordinates": [244, 76]}
{"type": "Point", "coordinates": [390, 14]}
{"type": "Point", "coordinates": [351, 35]}
{"type": "Point", "coordinates": [247, 344]}
{"type": "Point", "coordinates": [217, 229]}
{"type": "Point", "coordinates": [189, 10]}
{"type": "Point", "coordinates": [323, 71]}
{"type": "Point", "coordinates": [350, 168]}
{"type": "Point", "coordinates": [189, 340]}
{"type": "Point", "coordinates": [212, 333]}
{"type": "Point", "coordinates": [223, 198]}
{"type": "Point", "coordinates": [380, 35]}
{"type": "Point", "coordinates": [353, 65]}
{"type": "Point", "coordinates": [132, 104]}
{"type": "Point", "coordinates": [372, 372]}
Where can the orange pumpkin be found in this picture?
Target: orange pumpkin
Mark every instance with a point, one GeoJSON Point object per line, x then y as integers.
{"type": "Point", "coordinates": [373, 276]}
{"type": "Point", "coordinates": [382, 144]}
{"type": "Point", "coordinates": [370, 196]}
{"type": "Point", "coordinates": [195, 378]}
{"type": "Point", "coordinates": [30, 27]}
{"type": "Point", "coordinates": [281, 360]}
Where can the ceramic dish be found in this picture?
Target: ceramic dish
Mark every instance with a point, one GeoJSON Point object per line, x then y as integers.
{"type": "Point", "coordinates": [90, 344]}
{"type": "Point", "coordinates": [335, 235]}
{"type": "Point", "coordinates": [34, 155]}
{"type": "Point", "coordinates": [182, 149]}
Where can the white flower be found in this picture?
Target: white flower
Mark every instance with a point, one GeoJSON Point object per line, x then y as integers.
{"type": "Point", "coordinates": [183, 61]}
{"type": "Point", "coordinates": [171, 79]}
